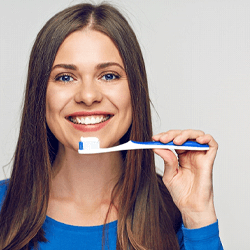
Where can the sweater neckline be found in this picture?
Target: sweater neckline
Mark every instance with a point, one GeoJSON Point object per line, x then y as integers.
{"type": "Point", "coordinates": [60, 225]}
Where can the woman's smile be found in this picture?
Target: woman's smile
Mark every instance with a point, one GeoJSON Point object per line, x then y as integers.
{"type": "Point", "coordinates": [89, 121]}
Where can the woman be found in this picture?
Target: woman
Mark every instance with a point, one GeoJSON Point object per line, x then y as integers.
{"type": "Point", "coordinates": [87, 78]}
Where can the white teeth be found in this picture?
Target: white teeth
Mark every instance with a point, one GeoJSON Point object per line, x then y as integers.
{"type": "Point", "coordinates": [93, 120]}
{"type": "Point", "coordinates": [89, 120]}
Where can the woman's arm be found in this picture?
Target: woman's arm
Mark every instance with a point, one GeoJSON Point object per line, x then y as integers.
{"type": "Point", "coordinates": [189, 181]}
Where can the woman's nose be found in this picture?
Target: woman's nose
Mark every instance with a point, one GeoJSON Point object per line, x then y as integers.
{"type": "Point", "coordinates": [88, 93]}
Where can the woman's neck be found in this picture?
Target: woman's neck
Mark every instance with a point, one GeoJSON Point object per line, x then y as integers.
{"type": "Point", "coordinates": [82, 186]}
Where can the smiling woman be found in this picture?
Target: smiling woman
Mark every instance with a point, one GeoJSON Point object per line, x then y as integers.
{"type": "Point", "coordinates": [91, 81]}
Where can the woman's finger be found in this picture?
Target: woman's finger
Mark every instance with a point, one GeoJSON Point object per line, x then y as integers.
{"type": "Point", "coordinates": [178, 136]}
{"type": "Point", "coordinates": [170, 164]}
{"type": "Point", "coordinates": [213, 145]}
{"type": "Point", "coordinates": [166, 137]}
{"type": "Point", "coordinates": [187, 135]}
{"type": "Point", "coordinates": [207, 139]}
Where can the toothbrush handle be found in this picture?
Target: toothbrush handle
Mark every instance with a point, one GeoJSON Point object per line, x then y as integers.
{"type": "Point", "coordinates": [185, 144]}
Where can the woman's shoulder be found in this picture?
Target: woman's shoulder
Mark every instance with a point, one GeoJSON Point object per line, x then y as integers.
{"type": "Point", "coordinates": [3, 189]}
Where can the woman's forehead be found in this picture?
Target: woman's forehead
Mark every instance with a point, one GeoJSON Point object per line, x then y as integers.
{"type": "Point", "coordinates": [88, 47]}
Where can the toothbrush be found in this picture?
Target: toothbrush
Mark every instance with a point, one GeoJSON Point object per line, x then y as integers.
{"type": "Point", "coordinates": [91, 145]}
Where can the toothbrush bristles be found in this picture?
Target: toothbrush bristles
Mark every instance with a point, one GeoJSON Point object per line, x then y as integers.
{"type": "Point", "coordinates": [89, 143]}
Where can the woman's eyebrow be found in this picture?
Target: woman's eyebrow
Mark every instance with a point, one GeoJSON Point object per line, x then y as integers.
{"type": "Point", "coordinates": [65, 66]}
{"type": "Point", "coordinates": [107, 64]}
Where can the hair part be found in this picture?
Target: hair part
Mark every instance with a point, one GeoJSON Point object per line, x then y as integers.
{"type": "Point", "coordinates": [147, 216]}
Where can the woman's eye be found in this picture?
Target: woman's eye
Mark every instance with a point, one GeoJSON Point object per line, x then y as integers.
{"type": "Point", "coordinates": [110, 77]}
{"type": "Point", "coordinates": [64, 78]}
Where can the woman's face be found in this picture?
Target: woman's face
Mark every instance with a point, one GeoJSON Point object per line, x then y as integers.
{"type": "Point", "coordinates": [88, 93]}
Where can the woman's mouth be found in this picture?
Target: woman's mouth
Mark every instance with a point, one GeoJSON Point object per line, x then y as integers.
{"type": "Point", "coordinates": [86, 122]}
{"type": "Point", "coordinates": [89, 120]}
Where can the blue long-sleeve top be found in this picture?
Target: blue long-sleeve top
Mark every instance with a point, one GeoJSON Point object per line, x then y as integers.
{"type": "Point", "coordinates": [65, 237]}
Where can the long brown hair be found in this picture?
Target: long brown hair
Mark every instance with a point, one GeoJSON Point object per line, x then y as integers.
{"type": "Point", "coordinates": [147, 216]}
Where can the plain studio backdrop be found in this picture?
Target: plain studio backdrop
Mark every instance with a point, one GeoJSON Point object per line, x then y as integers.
{"type": "Point", "coordinates": [197, 54]}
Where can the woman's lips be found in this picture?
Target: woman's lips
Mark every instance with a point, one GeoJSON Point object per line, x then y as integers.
{"type": "Point", "coordinates": [89, 121]}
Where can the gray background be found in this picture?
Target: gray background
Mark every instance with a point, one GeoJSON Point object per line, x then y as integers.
{"type": "Point", "coordinates": [197, 55]}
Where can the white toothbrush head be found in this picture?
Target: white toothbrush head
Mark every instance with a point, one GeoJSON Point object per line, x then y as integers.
{"type": "Point", "coordinates": [89, 143]}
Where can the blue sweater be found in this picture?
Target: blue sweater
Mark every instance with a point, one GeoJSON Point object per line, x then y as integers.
{"type": "Point", "coordinates": [64, 237]}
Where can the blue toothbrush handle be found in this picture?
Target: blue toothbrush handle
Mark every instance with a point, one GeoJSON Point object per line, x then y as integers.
{"type": "Point", "coordinates": [187, 144]}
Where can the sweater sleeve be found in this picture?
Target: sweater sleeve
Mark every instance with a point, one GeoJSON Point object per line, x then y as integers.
{"type": "Point", "coordinates": [205, 238]}
{"type": "Point", "coordinates": [3, 190]}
